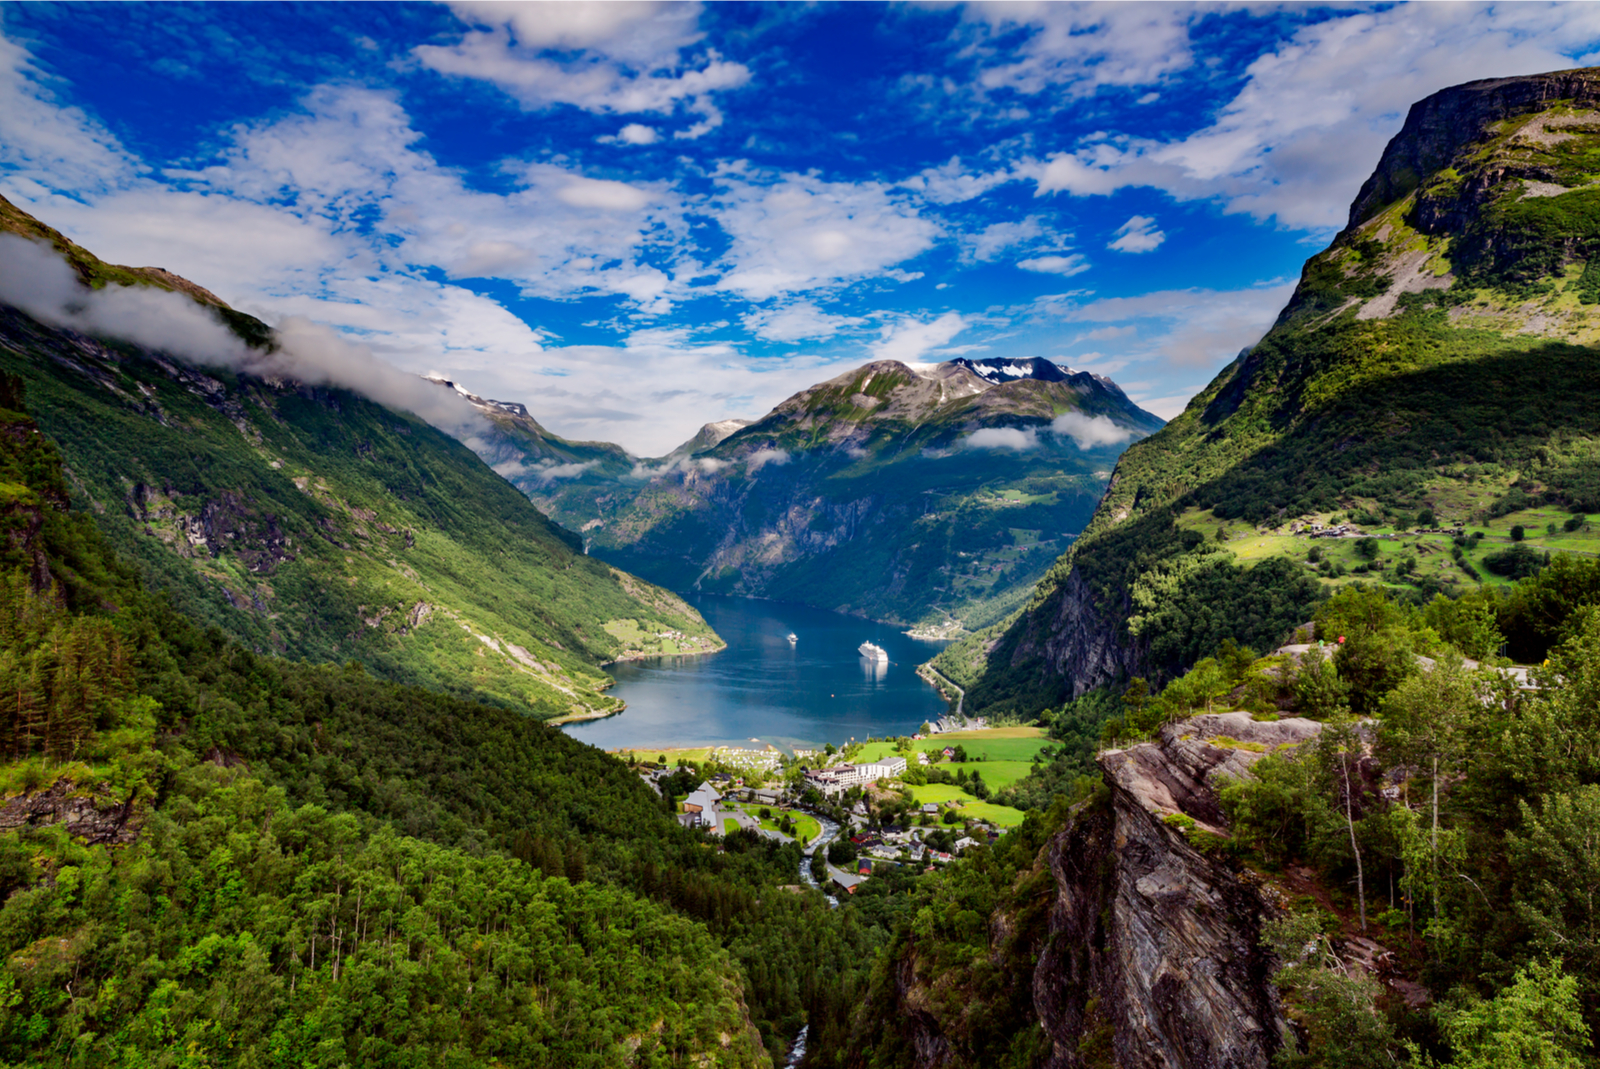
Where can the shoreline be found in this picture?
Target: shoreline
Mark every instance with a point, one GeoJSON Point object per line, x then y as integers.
{"type": "Point", "coordinates": [637, 655]}
{"type": "Point", "coordinates": [643, 655]}
{"type": "Point", "coordinates": [931, 675]}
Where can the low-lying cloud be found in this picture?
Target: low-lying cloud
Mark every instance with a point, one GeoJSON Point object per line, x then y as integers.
{"type": "Point", "coordinates": [36, 279]}
{"type": "Point", "coordinates": [1089, 431]}
{"type": "Point", "coordinates": [762, 457]}
{"type": "Point", "coordinates": [543, 472]}
{"type": "Point", "coordinates": [1004, 438]}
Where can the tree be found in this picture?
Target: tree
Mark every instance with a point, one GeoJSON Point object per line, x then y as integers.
{"type": "Point", "coordinates": [1556, 859]}
{"type": "Point", "coordinates": [1343, 1027]}
{"type": "Point", "coordinates": [1536, 1022]}
{"type": "Point", "coordinates": [1427, 722]}
{"type": "Point", "coordinates": [1375, 654]}
{"type": "Point", "coordinates": [1517, 533]}
{"type": "Point", "coordinates": [1319, 691]}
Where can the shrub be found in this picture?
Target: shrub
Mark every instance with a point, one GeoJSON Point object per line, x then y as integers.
{"type": "Point", "coordinates": [1518, 533]}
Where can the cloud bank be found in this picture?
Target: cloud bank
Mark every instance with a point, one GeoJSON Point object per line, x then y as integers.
{"type": "Point", "coordinates": [36, 279]}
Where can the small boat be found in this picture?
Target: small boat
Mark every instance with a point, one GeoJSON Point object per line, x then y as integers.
{"type": "Point", "coordinates": [793, 638]}
{"type": "Point", "coordinates": [873, 653]}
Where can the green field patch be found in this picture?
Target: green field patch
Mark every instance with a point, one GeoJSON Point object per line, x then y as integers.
{"type": "Point", "coordinates": [943, 793]}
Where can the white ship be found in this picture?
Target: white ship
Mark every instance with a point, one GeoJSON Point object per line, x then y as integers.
{"type": "Point", "coordinates": [873, 653]}
{"type": "Point", "coordinates": [793, 638]}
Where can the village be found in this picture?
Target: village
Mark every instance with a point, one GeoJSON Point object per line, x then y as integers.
{"type": "Point", "coordinates": [883, 802]}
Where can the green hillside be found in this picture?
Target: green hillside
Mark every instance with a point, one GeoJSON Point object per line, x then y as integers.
{"type": "Point", "coordinates": [314, 523]}
{"type": "Point", "coordinates": [1435, 370]}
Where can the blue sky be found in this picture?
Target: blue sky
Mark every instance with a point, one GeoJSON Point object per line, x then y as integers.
{"type": "Point", "coordinates": [637, 218]}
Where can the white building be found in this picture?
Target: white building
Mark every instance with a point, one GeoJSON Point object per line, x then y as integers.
{"type": "Point", "coordinates": [838, 780]}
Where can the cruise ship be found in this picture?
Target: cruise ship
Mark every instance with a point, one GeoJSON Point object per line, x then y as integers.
{"type": "Point", "coordinates": [873, 653]}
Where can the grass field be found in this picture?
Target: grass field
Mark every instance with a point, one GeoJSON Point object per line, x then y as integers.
{"type": "Point", "coordinates": [806, 827]}
{"type": "Point", "coordinates": [1001, 815]}
{"type": "Point", "coordinates": [995, 744]}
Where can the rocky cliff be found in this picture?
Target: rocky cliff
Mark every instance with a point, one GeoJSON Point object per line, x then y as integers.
{"type": "Point", "coordinates": [1438, 356]}
{"type": "Point", "coordinates": [1155, 956]}
{"type": "Point", "coordinates": [1119, 934]}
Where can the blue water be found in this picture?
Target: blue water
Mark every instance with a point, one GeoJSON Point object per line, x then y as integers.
{"type": "Point", "coordinates": [816, 691]}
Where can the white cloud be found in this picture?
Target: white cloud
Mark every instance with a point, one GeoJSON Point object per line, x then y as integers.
{"type": "Point", "coordinates": [796, 322]}
{"type": "Point", "coordinates": [950, 183]}
{"type": "Point", "coordinates": [1302, 133]}
{"type": "Point", "coordinates": [1089, 431]}
{"type": "Point", "coordinates": [1004, 438]}
{"type": "Point", "coordinates": [906, 340]}
{"type": "Point", "coordinates": [1065, 266]}
{"type": "Point", "coordinates": [610, 58]}
{"type": "Point", "coordinates": [633, 134]}
{"type": "Point", "coordinates": [1106, 334]}
{"type": "Point", "coordinates": [762, 457]}
{"type": "Point", "coordinates": [989, 243]}
{"type": "Point", "coordinates": [802, 233]}
{"type": "Point", "coordinates": [1203, 327]}
{"type": "Point", "coordinates": [603, 194]}
{"type": "Point", "coordinates": [46, 143]}
{"type": "Point", "coordinates": [1081, 47]}
{"type": "Point", "coordinates": [1138, 234]}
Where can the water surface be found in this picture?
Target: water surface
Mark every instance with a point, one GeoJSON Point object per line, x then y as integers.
{"type": "Point", "coordinates": [817, 690]}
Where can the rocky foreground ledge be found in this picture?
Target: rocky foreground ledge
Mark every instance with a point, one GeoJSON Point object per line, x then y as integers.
{"type": "Point", "coordinates": [1155, 949]}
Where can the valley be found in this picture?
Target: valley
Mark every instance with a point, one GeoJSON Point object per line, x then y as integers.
{"type": "Point", "coordinates": [348, 717]}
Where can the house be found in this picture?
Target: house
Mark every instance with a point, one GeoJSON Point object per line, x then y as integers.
{"type": "Point", "coordinates": [702, 806]}
{"type": "Point", "coordinates": [931, 808]}
{"type": "Point", "coordinates": [848, 883]}
{"type": "Point", "coordinates": [964, 842]}
{"type": "Point", "coordinates": [766, 797]}
{"type": "Point", "coordinates": [863, 867]}
{"type": "Point", "coordinates": [948, 752]}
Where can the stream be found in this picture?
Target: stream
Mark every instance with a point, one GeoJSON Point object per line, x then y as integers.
{"type": "Point", "coordinates": [797, 1050]}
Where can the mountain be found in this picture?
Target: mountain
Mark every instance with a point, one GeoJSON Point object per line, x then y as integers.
{"type": "Point", "coordinates": [932, 495]}
{"type": "Point", "coordinates": [310, 521]}
{"type": "Point", "coordinates": [1436, 368]}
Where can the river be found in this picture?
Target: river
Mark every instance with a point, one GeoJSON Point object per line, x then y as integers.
{"type": "Point", "coordinates": [815, 690]}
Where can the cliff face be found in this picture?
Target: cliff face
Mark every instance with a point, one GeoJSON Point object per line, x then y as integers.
{"type": "Point", "coordinates": [1155, 959]}
{"type": "Point", "coordinates": [1438, 127]}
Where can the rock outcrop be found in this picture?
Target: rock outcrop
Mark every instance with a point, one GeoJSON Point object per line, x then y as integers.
{"type": "Point", "coordinates": [1155, 959]}
{"type": "Point", "coordinates": [85, 815]}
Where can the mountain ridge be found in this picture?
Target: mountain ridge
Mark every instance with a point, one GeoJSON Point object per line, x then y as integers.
{"type": "Point", "coordinates": [1382, 392]}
